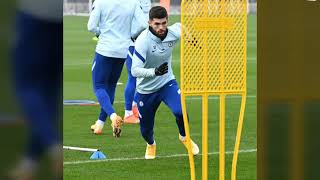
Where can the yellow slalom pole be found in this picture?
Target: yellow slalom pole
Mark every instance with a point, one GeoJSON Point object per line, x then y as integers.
{"type": "Point", "coordinates": [222, 138]}
{"type": "Point", "coordinates": [187, 130]}
{"type": "Point", "coordinates": [238, 137]}
{"type": "Point", "coordinates": [205, 136]}
{"type": "Point", "coordinates": [183, 99]}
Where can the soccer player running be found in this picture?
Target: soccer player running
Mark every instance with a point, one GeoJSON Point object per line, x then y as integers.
{"type": "Point", "coordinates": [131, 110]}
{"type": "Point", "coordinates": [156, 83]}
{"type": "Point", "coordinates": [112, 22]}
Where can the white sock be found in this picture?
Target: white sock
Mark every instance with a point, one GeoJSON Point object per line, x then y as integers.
{"type": "Point", "coordinates": [113, 116]}
{"type": "Point", "coordinates": [134, 103]}
{"type": "Point", "coordinates": [99, 122]}
{"type": "Point", "coordinates": [182, 138]}
{"type": "Point", "coordinates": [128, 113]}
{"type": "Point", "coordinates": [154, 143]}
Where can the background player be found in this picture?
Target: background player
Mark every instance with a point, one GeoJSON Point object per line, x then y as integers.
{"type": "Point", "coordinates": [131, 109]}
{"type": "Point", "coordinates": [112, 22]}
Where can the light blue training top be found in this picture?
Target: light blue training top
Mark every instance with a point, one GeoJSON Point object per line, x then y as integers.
{"type": "Point", "coordinates": [151, 52]}
{"type": "Point", "coordinates": [145, 6]}
{"type": "Point", "coordinates": [113, 21]}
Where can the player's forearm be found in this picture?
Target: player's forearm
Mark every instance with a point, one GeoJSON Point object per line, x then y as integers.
{"type": "Point", "coordinates": [93, 26]}
{"type": "Point", "coordinates": [94, 29]}
{"type": "Point", "coordinates": [142, 72]}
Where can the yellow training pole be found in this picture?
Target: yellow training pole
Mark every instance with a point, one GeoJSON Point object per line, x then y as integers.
{"type": "Point", "coordinates": [238, 138]}
{"type": "Point", "coordinates": [187, 130]}
{"type": "Point", "coordinates": [205, 137]}
{"type": "Point", "coordinates": [205, 97]}
{"type": "Point", "coordinates": [221, 138]}
{"type": "Point", "coordinates": [222, 102]}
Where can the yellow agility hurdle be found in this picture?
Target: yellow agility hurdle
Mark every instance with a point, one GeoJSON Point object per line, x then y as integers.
{"type": "Point", "coordinates": [213, 62]}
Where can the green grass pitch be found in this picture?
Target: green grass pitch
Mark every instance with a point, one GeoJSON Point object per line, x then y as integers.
{"type": "Point", "coordinates": [125, 155]}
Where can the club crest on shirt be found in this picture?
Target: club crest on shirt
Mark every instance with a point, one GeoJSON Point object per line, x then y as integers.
{"type": "Point", "coordinates": [170, 44]}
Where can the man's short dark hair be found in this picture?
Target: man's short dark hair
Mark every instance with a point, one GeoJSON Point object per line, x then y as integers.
{"type": "Point", "coordinates": [158, 12]}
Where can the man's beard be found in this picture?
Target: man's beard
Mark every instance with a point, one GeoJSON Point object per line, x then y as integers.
{"type": "Point", "coordinates": [162, 35]}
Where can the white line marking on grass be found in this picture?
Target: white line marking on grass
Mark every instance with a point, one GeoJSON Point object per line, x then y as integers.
{"type": "Point", "coordinates": [158, 157]}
